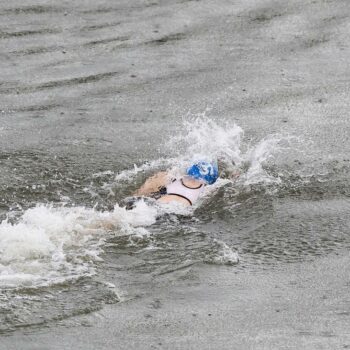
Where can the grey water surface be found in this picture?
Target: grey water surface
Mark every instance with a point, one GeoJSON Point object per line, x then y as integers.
{"type": "Point", "coordinates": [94, 87]}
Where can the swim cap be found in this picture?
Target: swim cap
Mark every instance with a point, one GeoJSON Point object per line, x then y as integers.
{"type": "Point", "coordinates": [204, 171]}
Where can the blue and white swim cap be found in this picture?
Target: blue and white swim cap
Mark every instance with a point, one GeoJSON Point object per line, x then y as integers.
{"type": "Point", "coordinates": [208, 172]}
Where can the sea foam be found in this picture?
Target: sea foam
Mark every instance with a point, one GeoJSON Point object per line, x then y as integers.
{"type": "Point", "coordinates": [52, 245]}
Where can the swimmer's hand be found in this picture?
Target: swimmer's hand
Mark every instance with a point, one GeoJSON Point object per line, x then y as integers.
{"type": "Point", "coordinates": [153, 184]}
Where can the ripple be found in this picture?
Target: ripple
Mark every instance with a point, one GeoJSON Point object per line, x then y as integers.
{"type": "Point", "coordinates": [37, 9]}
{"type": "Point", "coordinates": [37, 50]}
{"type": "Point", "coordinates": [167, 38]}
{"type": "Point", "coordinates": [107, 41]}
{"type": "Point", "coordinates": [60, 83]}
{"type": "Point", "coordinates": [7, 35]}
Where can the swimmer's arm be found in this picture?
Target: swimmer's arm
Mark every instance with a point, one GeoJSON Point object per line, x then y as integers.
{"type": "Point", "coordinates": [153, 184]}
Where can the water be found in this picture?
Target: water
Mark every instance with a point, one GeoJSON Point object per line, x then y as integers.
{"type": "Point", "coordinates": [90, 108]}
{"type": "Point", "coordinates": [64, 237]}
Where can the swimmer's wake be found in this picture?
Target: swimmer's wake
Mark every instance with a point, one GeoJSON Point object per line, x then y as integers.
{"type": "Point", "coordinates": [49, 245]}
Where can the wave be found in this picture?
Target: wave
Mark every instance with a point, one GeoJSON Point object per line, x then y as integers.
{"type": "Point", "coordinates": [53, 245]}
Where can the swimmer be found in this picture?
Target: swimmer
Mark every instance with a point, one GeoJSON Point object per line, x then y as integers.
{"type": "Point", "coordinates": [186, 189]}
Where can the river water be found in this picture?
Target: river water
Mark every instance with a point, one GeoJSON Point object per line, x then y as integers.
{"type": "Point", "coordinates": [97, 96]}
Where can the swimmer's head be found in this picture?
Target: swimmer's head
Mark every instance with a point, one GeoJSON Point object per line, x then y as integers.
{"type": "Point", "coordinates": [206, 171]}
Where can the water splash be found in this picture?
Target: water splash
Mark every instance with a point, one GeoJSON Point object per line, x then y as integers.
{"type": "Point", "coordinates": [202, 138]}
{"type": "Point", "coordinates": [223, 255]}
{"type": "Point", "coordinates": [54, 245]}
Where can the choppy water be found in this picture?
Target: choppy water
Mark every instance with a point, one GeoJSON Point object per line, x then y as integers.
{"type": "Point", "coordinates": [67, 247]}
{"type": "Point", "coordinates": [90, 110]}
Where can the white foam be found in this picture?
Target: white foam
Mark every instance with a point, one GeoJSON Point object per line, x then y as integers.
{"type": "Point", "coordinates": [202, 138]}
{"type": "Point", "coordinates": [103, 173]}
{"type": "Point", "coordinates": [262, 153]}
{"type": "Point", "coordinates": [257, 156]}
{"type": "Point", "coordinates": [51, 245]}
